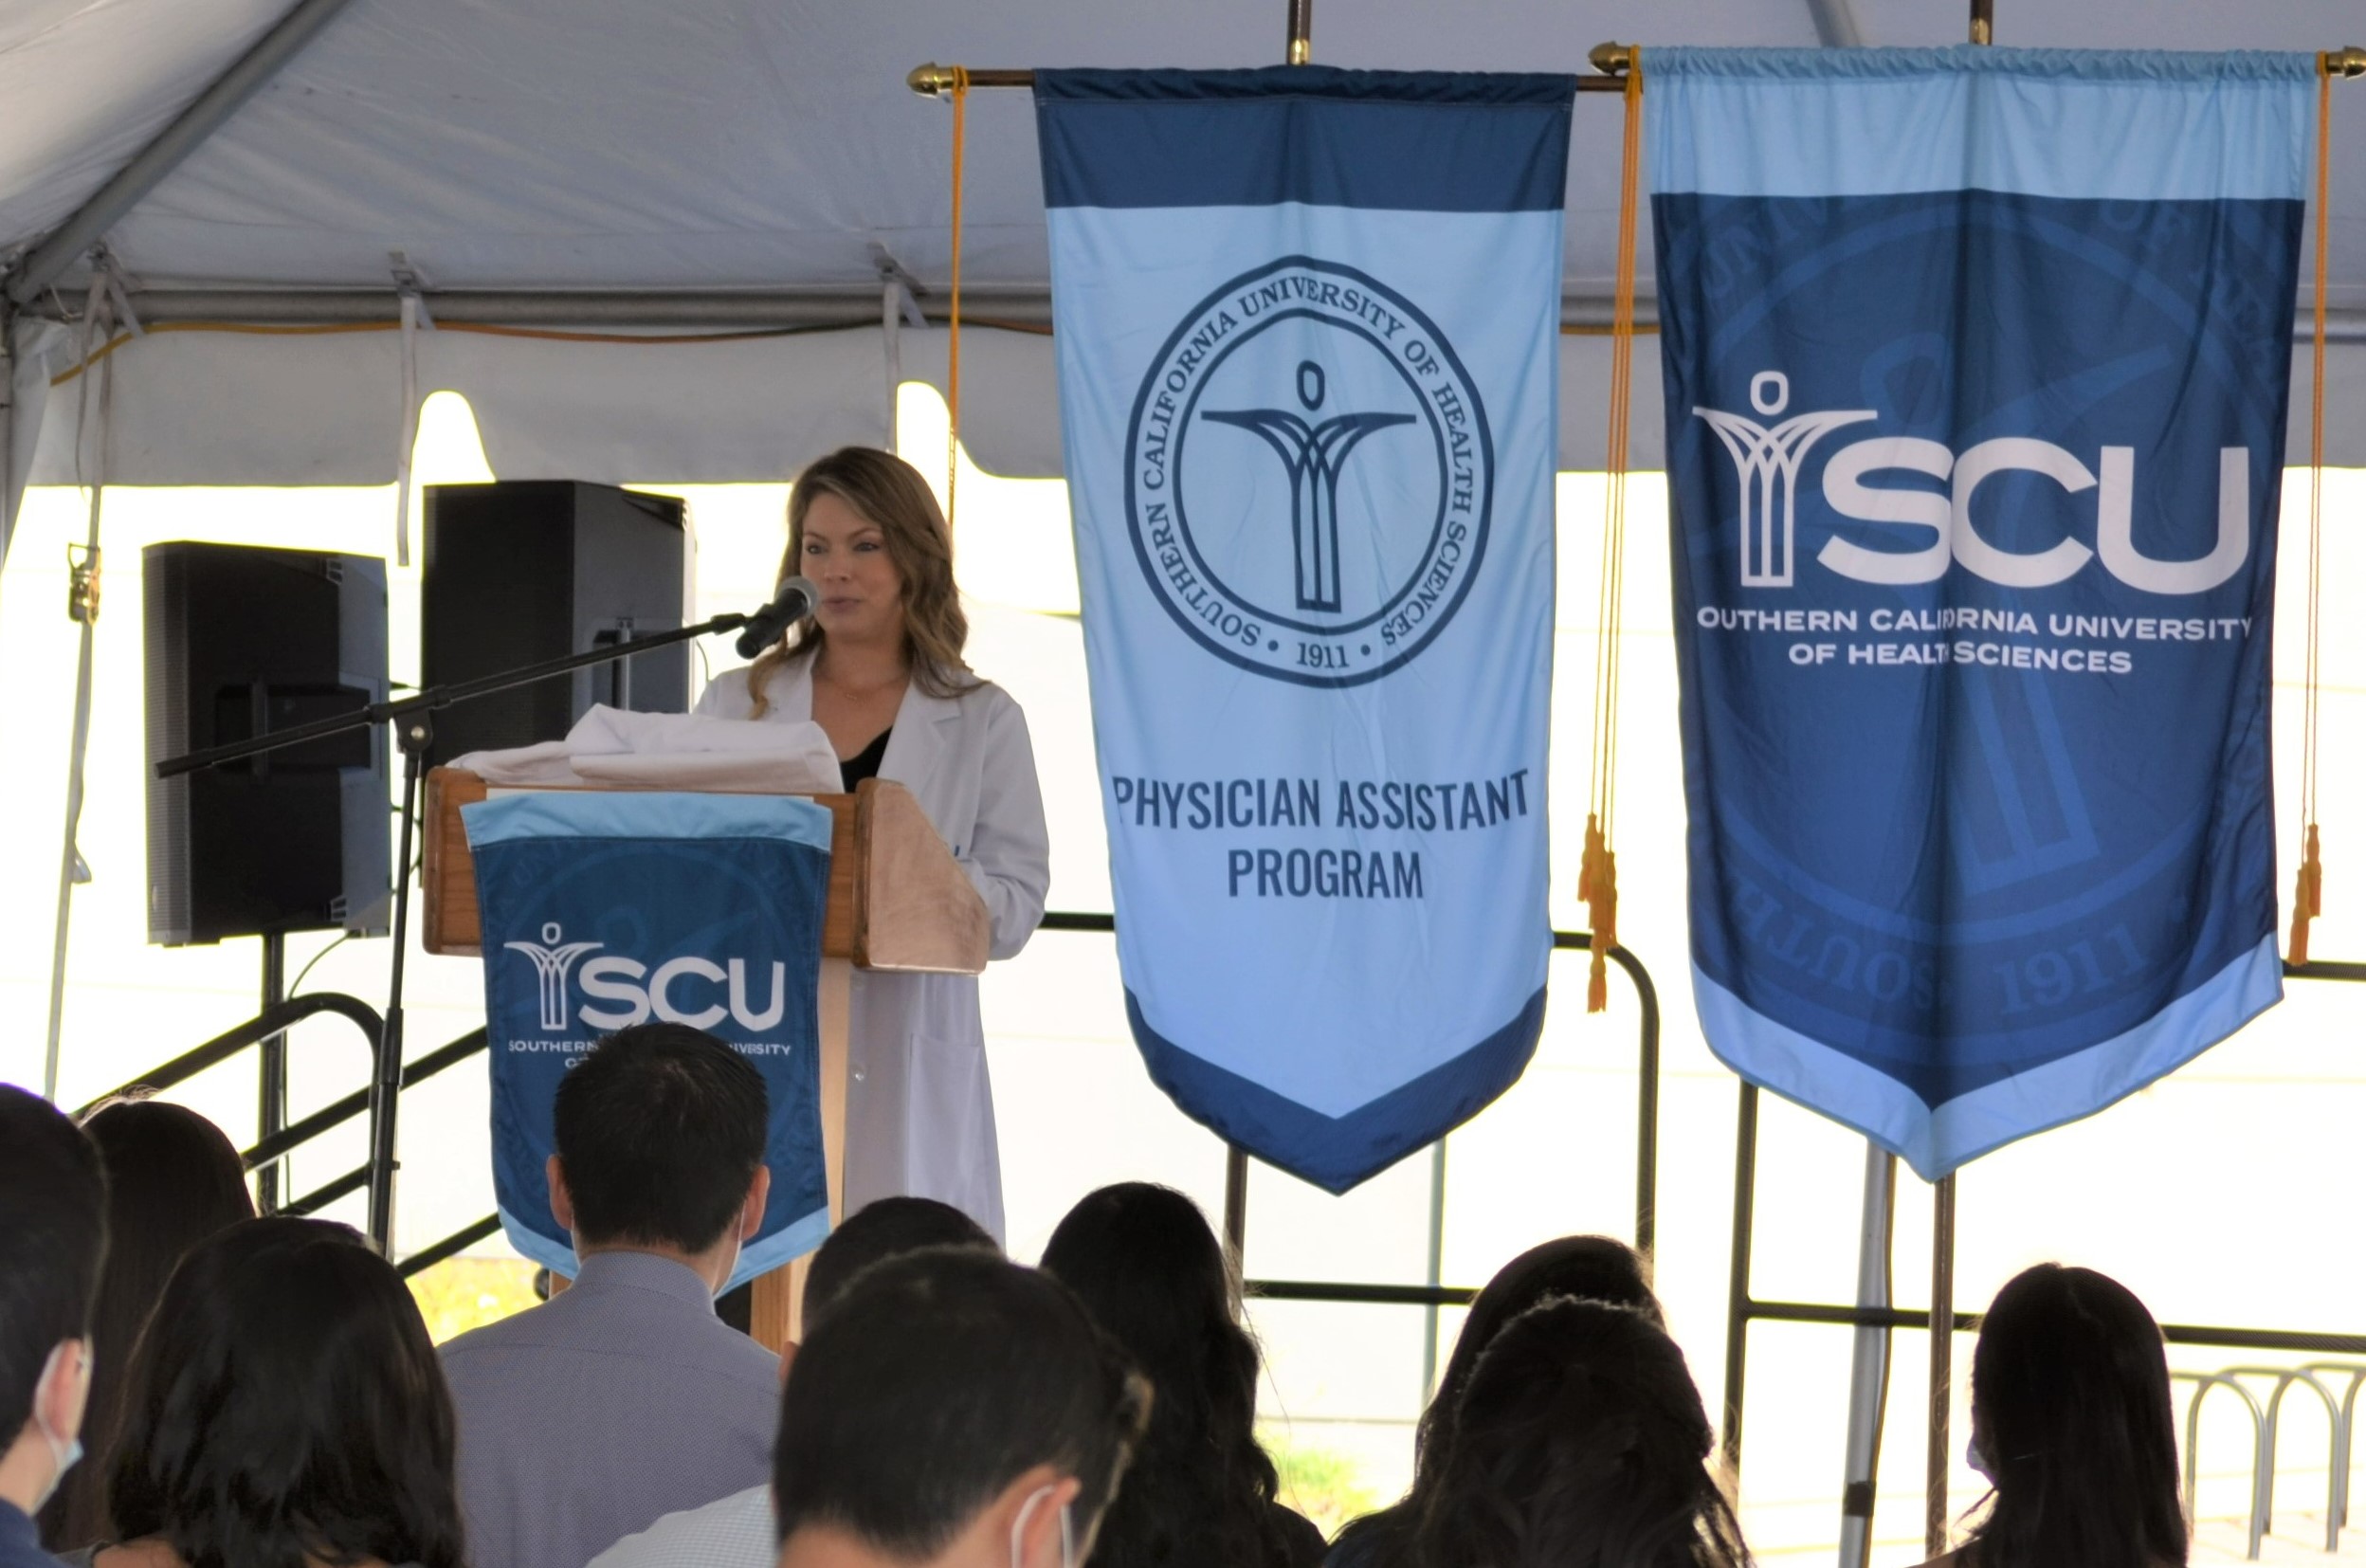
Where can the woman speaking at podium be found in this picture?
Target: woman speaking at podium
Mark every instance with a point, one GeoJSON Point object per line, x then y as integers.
{"type": "Point", "coordinates": [878, 665]}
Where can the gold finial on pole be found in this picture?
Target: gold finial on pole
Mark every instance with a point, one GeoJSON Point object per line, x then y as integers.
{"type": "Point", "coordinates": [2349, 62]}
{"type": "Point", "coordinates": [1613, 58]}
{"type": "Point", "coordinates": [930, 81]}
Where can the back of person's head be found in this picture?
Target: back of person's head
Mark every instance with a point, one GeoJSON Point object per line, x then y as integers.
{"type": "Point", "coordinates": [285, 1405]}
{"type": "Point", "coordinates": [172, 1180]}
{"type": "Point", "coordinates": [2073, 1419]}
{"type": "Point", "coordinates": [1585, 1269]}
{"type": "Point", "coordinates": [882, 1229]}
{"type": "Point", "coordinates": [1589, 1268]}
{"type": "Point", "coordinates": [52, 1233]}
{"type": "Point", "coordinates": [1580, 1443]}
{"type": "Point", "coordinates": [660, 1132]}
{"type": "Point", "coordinates": [1146, 1266]}
{"type": "Point", "coordinates": [945, 1382]}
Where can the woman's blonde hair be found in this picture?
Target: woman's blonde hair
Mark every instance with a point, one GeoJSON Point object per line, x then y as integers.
{"type": "Point", "coordinates": [888, 492]}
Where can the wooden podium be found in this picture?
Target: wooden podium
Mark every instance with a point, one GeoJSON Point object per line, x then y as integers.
{"type": "Point", "coordinates": [898, 901]}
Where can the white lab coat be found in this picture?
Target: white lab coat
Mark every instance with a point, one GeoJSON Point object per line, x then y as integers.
{"type": "Point", "coordinates": [920, 1111]}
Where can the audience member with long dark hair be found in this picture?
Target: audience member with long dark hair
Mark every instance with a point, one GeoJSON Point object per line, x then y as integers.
{"type": "Point", "coordinates": [1579, 1442]}
{"type": "Point", "coordinates": [172, 1180]}
{"type": "Point", "coordinates": [1596, 1268]}
{"type": "Point", "coordinates": [53, 1218]}
{"type": "Point", "coordinates": [283, 1410]}
{"type": "Point", "coordinates": [1144, 1263]}
{"type": "Point", "coordinates": [2073, 1424]}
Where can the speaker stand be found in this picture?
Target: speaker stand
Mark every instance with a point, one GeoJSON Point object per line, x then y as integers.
{"type": "Point", "coordinates": [271, 1090]}
{"type": "Point", "coordinates": [414, 732]}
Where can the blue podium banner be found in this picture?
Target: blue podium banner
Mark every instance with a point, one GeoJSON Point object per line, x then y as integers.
{"type": "Point", "coordinates": [604, 910]}
{"type": "Point", "coordinates": [1308, 333]}
{"type": "Point", "coordinates": [1976, 364]}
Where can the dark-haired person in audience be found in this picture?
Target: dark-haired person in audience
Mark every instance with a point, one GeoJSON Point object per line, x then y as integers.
{"type": "Point", "coordinates": [625, 1397]}
{"type": "Point", "coordinates": [736, 1531]}
{"type": "Point", "coordinates": [1595, 1268]}
{"type": "Point", "coordinates": [1579, 1443]}
{"type": "Point", "coordinates": [952, 1411]}
{"type": "Point", "coordinates": [53, 1216]}
{"type": "Point", "coordinates": [2073, 1425]}
{"type": "Point", "coordinates": [1144, 1263]}
{"type": "Point", "coordinates": [172, 1180]}
{"type": "Point", "coordinates": [283, 1410]}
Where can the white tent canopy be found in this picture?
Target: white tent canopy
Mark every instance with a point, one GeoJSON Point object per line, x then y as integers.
{"type": "Point", "coordinates": [705, 163]}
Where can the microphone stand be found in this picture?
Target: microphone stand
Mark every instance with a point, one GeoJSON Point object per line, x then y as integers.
{"type": "Point", "coordinates": [414, 732]}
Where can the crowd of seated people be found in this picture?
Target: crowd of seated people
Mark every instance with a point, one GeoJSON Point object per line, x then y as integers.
{"type": "Point", "coordinates": [278, 1404]}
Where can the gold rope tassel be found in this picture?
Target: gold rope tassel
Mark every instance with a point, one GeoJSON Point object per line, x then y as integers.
{"type": "Point", "coordinates": [2309, 889]}
{"type": "Point", "coordinates": [1597, 872]}
{"type": "Point", "coordinates": [2307, 899]}
{"type": "Point", "coordinates": [1597, 885]}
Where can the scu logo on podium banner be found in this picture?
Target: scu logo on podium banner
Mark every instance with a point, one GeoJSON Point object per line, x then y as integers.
{"type": "Point", "coordinates": [1308, 338]}
{"type": "Point", "coordinates": [603, 910]}
{"type": "Point", "coordinates": [1976, 364]}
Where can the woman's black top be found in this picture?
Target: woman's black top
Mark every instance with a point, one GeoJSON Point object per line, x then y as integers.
{"type": "Point", "coordinates": [865, 763]}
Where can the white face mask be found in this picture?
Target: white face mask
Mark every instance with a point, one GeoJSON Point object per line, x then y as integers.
{"type": "Point", "coordinates": [64, 1452]}
{"type": "Point", "coordinates": [1027, 1510]}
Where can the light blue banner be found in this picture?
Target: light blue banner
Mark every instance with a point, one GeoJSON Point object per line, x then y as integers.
{"type": "Point", "coordinates": [1308, 329]}
{"type": "Point", "coordinates": [1976, 364]}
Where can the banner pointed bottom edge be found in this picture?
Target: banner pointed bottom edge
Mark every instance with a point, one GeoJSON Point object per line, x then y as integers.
{"type": "Point", "coordinates": [1938, 1140]}
{"type": "Point", "coordinates": [760, 1256]}
{"type": "Point", "coordinates": [1338, 1153]}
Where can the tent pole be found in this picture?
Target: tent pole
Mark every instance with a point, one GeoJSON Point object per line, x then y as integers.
{"type": "Point", "coordinates": [46, 262]}
{"type": "Point", "coordinates": [891, 332]}
{"type": "Point", "coordinates": [818, 309]}
{"type": "Point", "coordinates": [1835, 24]}
{"type": "Point", "coordinates": [1868, 1379]}
{"type": "Point", "coordinates": [8, 426]}
{"type": "Point", "coordinates": [1942, 1363]}
{"type": "Point", "coordinates": [82, 608]}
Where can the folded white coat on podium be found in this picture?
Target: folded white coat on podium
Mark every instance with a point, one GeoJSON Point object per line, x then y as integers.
{"type": "Point", "coordinates": [660, 750]}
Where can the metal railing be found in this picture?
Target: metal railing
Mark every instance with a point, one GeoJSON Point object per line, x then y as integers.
{"type": "Point", "coordinates": [1646, 1151]}
{"type": "Point", "coordinates": [1743, 1309]}
{"type": "Point", "coordinates": [270, 1024]}
{"type": "Point", "coordinates": [1236, 1163]}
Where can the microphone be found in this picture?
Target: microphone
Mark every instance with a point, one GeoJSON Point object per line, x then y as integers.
{"type": "Point", "coordinates": [793, 603]}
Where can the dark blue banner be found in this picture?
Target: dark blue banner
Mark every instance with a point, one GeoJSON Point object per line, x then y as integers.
{"type": "Point", "coordinates": [1975, 412]}
{"type": "Point", "coordinates": [603, 910]}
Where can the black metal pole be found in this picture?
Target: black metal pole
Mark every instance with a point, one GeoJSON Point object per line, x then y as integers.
{"type": "Point", "coordinates": [271, 1072]}
{"type": "Point", "coordinates": [1301, 43]}
{"type": "Point", "coordinates": [1236, 1207]}
{"type": "Point", "coordinates": [414, 736]}
{"type": "Point", "coordinates": [1646, 1106]}
{"type": "Point", "coordinates": [1943, 1362]}
{"type": "Point", "coordinates": [1737, 1286]}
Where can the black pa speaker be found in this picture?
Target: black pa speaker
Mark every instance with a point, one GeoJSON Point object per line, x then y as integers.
{"type": "Point", "coordinates": [242, 641]}
{"type": "Point", "coordinates": [531, 569]}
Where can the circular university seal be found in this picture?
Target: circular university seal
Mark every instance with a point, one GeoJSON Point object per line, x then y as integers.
{"type": "Point", "coordinates": [1309, 475]}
